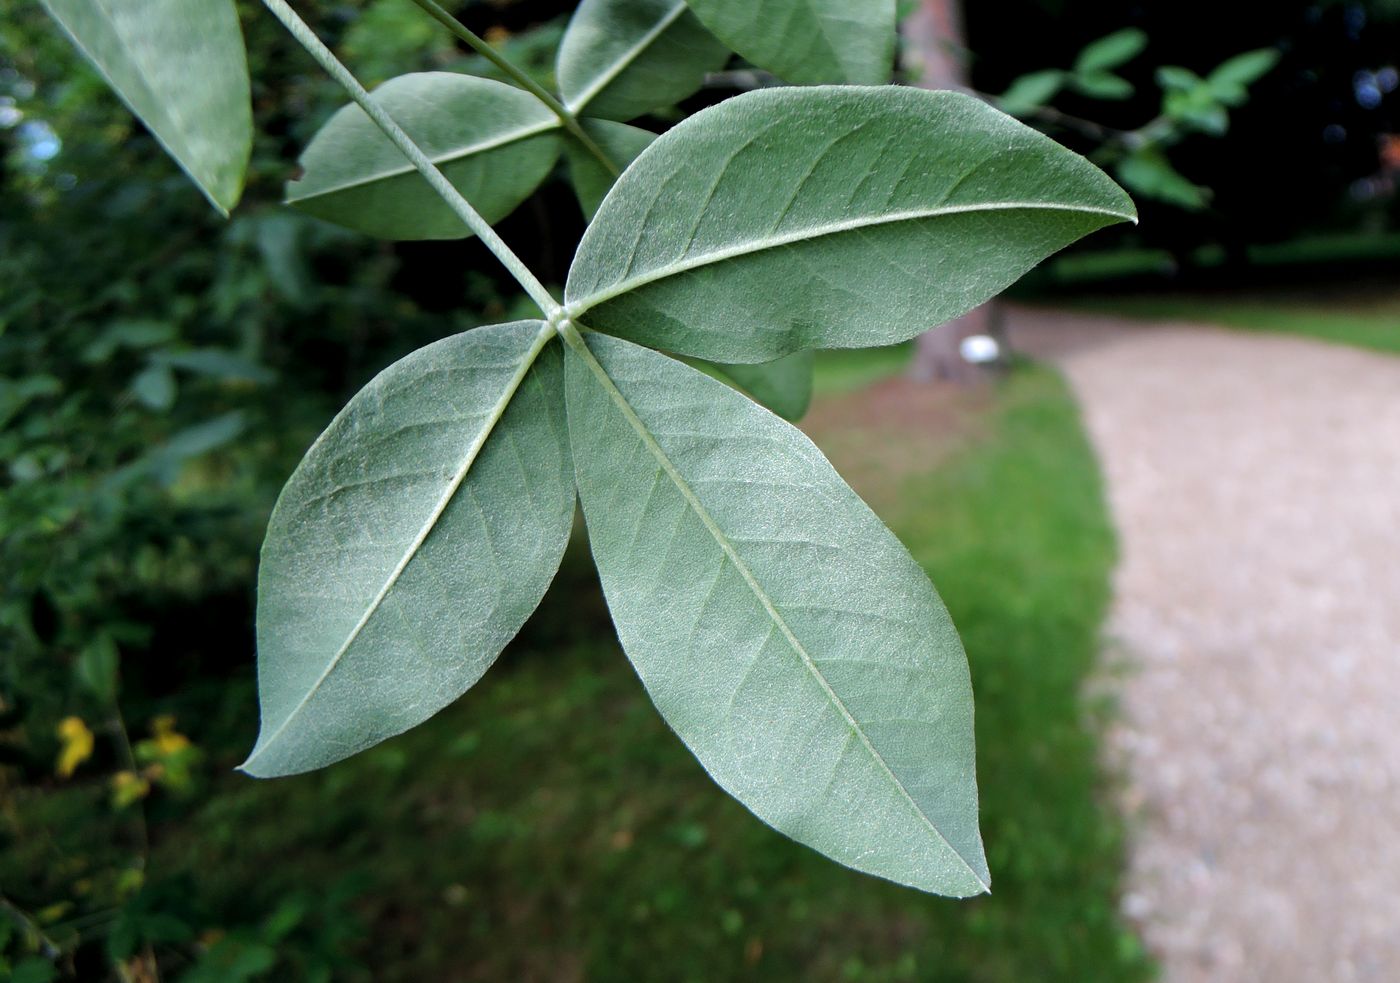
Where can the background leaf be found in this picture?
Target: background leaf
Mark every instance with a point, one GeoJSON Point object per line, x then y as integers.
{"type": "Point", "coordinates": [1102, 85]}
{"type": "Point", "coordinates": [180, 66]}
{"type": "Point", "coordinates": [783, 385]}
{"type": "Point", "coordinates": [1149, 173]}
{"type": "Point", "coordinates": [622, 58]}
{"type": "Point", "coordinates": [780, 628]}
{"type": "Point", "coordinates": [780, 220]}
{"type": "Point", "coordinates": [1230, 81]}
{"type": "Point", "coordinates": [592, 181]}
{"type": "Point", "coordinates": [404, 552]}
{"type": "Point", "coordinates": [1111, 51]}
{"type": "Point", "coordinates": [494, 142]}
{"type": "Point", "coordinates": [808, 41]}
{"type": "Point", "coordinates": [1031, 91]}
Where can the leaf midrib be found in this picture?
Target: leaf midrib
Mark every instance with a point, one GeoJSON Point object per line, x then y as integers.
{"type": "Point", "coordinates": [542, 338]}
{"type": "Point", "coordinates": [577, 307]}
{"type": "Point", "coordinates": [590, 92]}
{"type": "Point", "coordinates": [577, 343]}
{"type": "Point", "coordinates": [501, 140]}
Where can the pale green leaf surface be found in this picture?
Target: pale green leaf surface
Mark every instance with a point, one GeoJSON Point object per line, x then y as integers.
{"type": "Point", "coordinates": [783, 385]}
{"type": "Point", "coordinates": [494, 142]}
{"type": "Point", "coordinates": [592, 181]}
{"type": "Point", "coordinates": [410, 545]}
{"type": "Point", "coordinates": [836, 217]}
{"type": "Point", "coordinates": [622, 58]}
{"type": "Point", "coordinates": [180, 66]}
{"type": "Point", "coordinates": [782, 631]}
{"type": "Point", "coordinates": [808, 41]}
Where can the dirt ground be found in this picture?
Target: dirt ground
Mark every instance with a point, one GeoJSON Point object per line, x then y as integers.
{"type": "Point", "coordinates": [1255, 485]}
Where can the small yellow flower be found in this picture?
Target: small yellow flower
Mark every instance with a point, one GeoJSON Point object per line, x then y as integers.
{"type": "Point", "coordinates": [77, 744]}
{"type": "Point", "coordinates": [166, 739]}
{"type": "Point", "coordinates": [128, 788]}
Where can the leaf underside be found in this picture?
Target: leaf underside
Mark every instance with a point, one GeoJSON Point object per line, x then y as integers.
{"type": "Point", "coordinates": [782, 631]}
{"type": "Point", "coordinates": [808, 41]}
{"type": "Point", "coordinates": [180, 66]}
{"type": "Point", "coordinates": [410, 545]}
{"type": "Point", "coordinates": [620, 59]}
{"type": "Point", "coordinates": [784, 385]}
{"type": "Point", "coordinates": [494, 142]}
{"type": "Point", "coordinates": [828, 217]}
{"type": "Point", "coordinates": [620, 142]}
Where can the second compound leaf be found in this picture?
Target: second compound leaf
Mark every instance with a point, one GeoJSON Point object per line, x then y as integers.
{"type": "Point", "coordinates": [808, 41]}
{"type": "Point", "coordinates": [784, 633]}
{"type": "Point", "coordinates": [783, 385]}
{"type": "Point", "coordinates": [622, 58]}
{"type": "Point", "coordinates": [494, 142]}
{"type": "Point", "coordinates": [592, 180]}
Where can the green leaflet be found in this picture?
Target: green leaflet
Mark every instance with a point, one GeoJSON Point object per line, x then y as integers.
{"type": "Point", "coordinates": [780, 628]}
{"type": "Point", "coordinates": [622, 58]}
{"type": "Point", "coordinates": [828, 217]}
{"type": "Point", "coordinates": [411, 543]}
{"type": "Point", "coordinates": [592, 181]}
{"type": "Point", "coordinates": [494, 142]}
{"type": "Point", "coordinates": [1031, 91]}
{"type": "Point", "coordinates": [784, 385]}
{"type": "Point", "coordinates": [1111, 51]}
{"type": "Point", "coordinates": [808, 41]}
{"type": "Point", "coordinates": [180, 66]}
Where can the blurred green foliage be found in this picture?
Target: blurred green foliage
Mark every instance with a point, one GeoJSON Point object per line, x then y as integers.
{"type": "Point", "coordinates": [161, 371]}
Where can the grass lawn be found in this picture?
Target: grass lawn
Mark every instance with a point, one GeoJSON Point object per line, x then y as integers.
{"type": "Point", "coordinates": [548, 826]}
{"type": "Point", "coordinates": [1366, 322]}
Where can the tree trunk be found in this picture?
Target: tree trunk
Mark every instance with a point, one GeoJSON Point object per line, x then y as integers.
{"type": "Point", "coordinates": [936, 55]}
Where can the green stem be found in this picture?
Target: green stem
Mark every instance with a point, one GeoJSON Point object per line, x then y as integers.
{"type": "Point", "coordinates": [327, 60]}
{"type": "Point", "coordinates": [48, 948]}
{"type": "Point", "coordinates": [566, 119]}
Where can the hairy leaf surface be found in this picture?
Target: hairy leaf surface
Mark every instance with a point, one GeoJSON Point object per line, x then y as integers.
{"type": "Point", "coordinates": [783, 385]}
{"type": "Point", "coordinates": [808, 41]}
{"type": "Point", "coordinates": [783, 632]}
{"type": "Point", "coordinates": [180, 66]}
{"type": "Point", "coordinates": [622, 58]}
{"type": "Point", "coordinates": [411, 543]}
{"type": "Point", "coordinates": [593, 181]}
{"type": "Point", "coordinates": [494, 142]}
{"type": "Point", "coordinates": [844, 217]}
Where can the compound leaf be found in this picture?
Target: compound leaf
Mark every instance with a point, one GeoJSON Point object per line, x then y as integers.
{"type": "Point", "coordinates": [495, 143]}
{"type": "Point", "coordinates": [180, 66]}
{"type": "Point", "coordinates": [783, 385]}
{"type": "Point", "coordinates": [834, 217]}
{"type": "Point", "coordinates": [411, 543]}
{"type": "Point", "coordinates": [808, 41]}
{"type": "Point", "coordinates": [622, 58]}
{"type": "Point", "coordinates": [592, 181]}
{"type": "Point", "coordinates": [782, 631]}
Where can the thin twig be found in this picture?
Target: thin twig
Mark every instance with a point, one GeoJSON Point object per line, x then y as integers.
{"type": "Point", "coordinates": [566, 118]}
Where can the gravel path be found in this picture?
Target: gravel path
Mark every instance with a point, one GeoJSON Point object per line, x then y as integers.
{"type": "Point", "coordinates": [1255, 484]}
